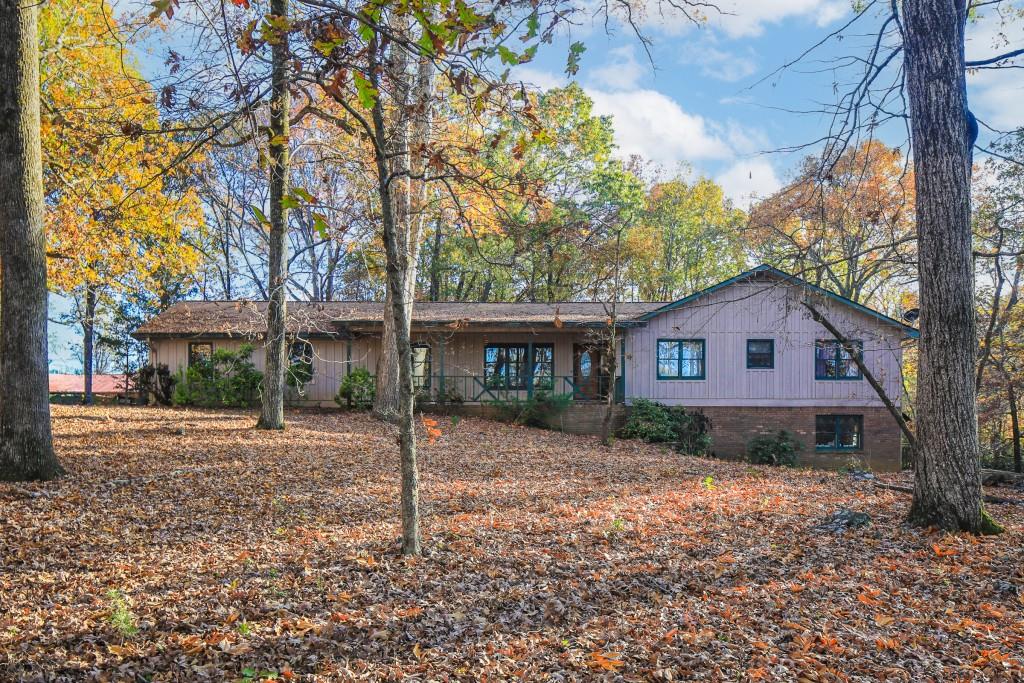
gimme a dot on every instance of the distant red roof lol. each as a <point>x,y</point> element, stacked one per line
<point>75,384</point>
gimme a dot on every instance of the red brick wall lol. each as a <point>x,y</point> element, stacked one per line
<point>732,427</point>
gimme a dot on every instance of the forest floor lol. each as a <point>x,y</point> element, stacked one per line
<point>185,545</point>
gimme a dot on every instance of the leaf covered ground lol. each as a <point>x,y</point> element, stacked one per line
<point>184,545</point>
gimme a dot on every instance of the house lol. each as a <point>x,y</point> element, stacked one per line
<point>746,352</point>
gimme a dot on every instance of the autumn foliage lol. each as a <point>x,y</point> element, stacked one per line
<point>186,544</point>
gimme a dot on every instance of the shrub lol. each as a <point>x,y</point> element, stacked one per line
<point>357,390</point>
<point>228,379</point>
<point>779,449</point>
<point>535,411</point>
<point>656,423</point>
<point>156,381</point>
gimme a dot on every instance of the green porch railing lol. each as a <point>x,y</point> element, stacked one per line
<point>440,389</point>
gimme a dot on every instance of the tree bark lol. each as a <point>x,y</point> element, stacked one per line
<point>400,308</point>
<point>26,443</point>
<point>947,484</point>
<point>272,408</point>
<point>408,135</point>
<point>1011,397</point>
<point>88,342</point>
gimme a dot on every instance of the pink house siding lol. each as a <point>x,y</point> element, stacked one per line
<point>727,318</point>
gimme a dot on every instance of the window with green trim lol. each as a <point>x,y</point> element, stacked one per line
<point>544,366</point>
<point>508,366</point>
<point>760,354</point>
<point>839,432</point>
<point>681,359</point>
<point>831,360</point>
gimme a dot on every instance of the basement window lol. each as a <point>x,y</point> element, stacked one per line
<point>839,432</point>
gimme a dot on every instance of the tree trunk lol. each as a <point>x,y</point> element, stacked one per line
<point>88,342</point>
<point>272,411</point>
<point>1011,396</point>
<point>397,251</point>
<point>26,444</point>
<point>407,132</point>
<point>947,484</point>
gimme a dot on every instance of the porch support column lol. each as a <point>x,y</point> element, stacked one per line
<point>441,393</point>
<point>622,367</point>
<point>529,370</point>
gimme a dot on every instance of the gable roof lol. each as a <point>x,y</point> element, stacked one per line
<point>333,318</point>
<point>770,271</point>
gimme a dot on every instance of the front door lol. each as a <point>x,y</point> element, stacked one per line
<point>586,372</point>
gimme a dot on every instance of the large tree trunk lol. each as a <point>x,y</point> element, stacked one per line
<point>272,411</point>
<point>88,342</point>
<point>947,484</point>
<point>26,445</point>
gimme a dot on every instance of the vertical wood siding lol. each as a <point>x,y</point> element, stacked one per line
<point>730,316</point>
<point>463,355</point>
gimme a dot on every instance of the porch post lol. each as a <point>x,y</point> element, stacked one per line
<point>442,394</point>
<point>529,370</point>
<point>348,356</point>
<point>622,367</point>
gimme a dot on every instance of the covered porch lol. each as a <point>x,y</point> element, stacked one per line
<point>484,366</point>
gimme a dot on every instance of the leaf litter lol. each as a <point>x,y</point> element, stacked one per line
<point>184,545</point>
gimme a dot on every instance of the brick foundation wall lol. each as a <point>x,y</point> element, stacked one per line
<point>579,418</point>
<point>732,427</point>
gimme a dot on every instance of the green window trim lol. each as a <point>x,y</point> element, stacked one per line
<point>838,425</point>
<point>770,352</point>
<point>519,367</point>
<point>830,352</point>
<point>680,359</point>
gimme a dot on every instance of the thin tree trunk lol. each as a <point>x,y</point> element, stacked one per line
<point>947,483</point>
<point>88,342</point>
<point>408,132</point>
<point>272,411</point>
<point>26,444</point>
<point>1011,397</point>
<point>613,318</point>
<point>397,268</point>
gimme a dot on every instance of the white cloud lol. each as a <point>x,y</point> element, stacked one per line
<point>621,72</point>
<point>748,179</point>
<point>653,125</point>
<point>996,96</point>
<point>545,80</point>
<point>746,18</point>
<point>720,64</point>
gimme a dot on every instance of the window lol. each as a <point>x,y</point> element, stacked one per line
<point>200,352</point>
<point>680,359</point>
<point>543,366</point>
<point>507,366</point>
<point>831,361</point>
<point>421,366</point>
<point>839,432</point>
<point>300,363</point>
<point>760,354</point>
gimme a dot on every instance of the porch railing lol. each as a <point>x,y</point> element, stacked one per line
<point>478,389</point>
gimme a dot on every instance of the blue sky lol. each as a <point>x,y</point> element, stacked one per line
<point>704,102</point>
<point>703,108</point>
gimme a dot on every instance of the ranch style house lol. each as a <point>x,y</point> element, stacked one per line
<point>746,352</point>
